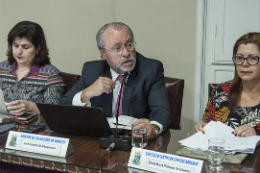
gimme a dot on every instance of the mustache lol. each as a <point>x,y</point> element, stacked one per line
<point>127,59</point>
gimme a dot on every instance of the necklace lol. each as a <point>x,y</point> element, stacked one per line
<point>250,98</point>
<point>23,69</point>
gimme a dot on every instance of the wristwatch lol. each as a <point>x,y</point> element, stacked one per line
<point>157,129</point>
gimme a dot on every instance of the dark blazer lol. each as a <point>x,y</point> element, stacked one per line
<point>145,94</point>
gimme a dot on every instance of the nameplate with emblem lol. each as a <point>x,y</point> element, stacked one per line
<point>41,144</point>
<point>161,162</point>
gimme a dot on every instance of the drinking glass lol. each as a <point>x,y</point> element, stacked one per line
<point>216,153</point>
<point>139,136</point>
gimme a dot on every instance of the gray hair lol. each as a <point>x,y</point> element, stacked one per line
<point>116,26</point>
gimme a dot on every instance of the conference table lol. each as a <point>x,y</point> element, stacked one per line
<point>88,154</point>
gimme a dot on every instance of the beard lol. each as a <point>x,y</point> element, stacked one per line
<point>120,69</point>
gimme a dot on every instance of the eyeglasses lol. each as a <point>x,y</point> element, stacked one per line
<point>119,49</point>
<point>251,60</point>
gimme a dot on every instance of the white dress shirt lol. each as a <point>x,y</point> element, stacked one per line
<point>77,98</point>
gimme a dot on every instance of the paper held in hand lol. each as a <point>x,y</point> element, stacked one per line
<point>199,141</point>
<point>124,122</point>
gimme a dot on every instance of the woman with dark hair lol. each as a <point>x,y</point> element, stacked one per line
<point>236,103</point>
<point>27,77</point>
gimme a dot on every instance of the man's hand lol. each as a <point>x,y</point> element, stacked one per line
<point>146,123</point>
<point>244,131</point>
<point>199,127</point>
<point>101,85</point>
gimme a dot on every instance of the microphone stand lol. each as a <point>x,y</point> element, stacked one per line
<point>122,142</point>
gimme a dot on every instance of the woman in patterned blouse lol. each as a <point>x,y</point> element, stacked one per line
<point>236,103</point>
<point>27,77</point>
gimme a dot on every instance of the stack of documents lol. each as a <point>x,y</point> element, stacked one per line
<point>199,141</point>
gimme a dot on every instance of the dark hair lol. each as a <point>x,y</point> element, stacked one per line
<point>117,26</point>
<point>236,84</point>
<point>32,32</point>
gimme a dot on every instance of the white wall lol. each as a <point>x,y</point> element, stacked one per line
<point>163,29</point>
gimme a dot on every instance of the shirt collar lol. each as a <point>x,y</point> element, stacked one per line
<point>34,69</point>
<point>115,74</point>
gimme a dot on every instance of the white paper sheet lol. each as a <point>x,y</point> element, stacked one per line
<point>219,130</point>
<point>124,122</point>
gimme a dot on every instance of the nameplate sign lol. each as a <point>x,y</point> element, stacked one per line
<point>40,144</point>
<point>161,162</point>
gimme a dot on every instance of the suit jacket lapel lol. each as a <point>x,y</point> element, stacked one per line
<point>129,87</point>
<point>107,98</point>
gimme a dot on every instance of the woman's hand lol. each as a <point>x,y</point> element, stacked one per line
<point>19,107</point>
<point>199,127</point>
<point>244,131</point>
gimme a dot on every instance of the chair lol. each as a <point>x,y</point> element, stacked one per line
<point>175,93</point>
<point>69,80</point>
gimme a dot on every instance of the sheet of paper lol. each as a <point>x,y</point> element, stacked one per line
<point>193,141</point>
<point>199,141</point>
<point>122,120</point>
<point>112,125</point>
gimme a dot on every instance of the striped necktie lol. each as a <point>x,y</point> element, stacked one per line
<point>120,78</point>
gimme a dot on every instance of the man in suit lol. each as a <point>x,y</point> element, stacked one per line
<point>144,94</point>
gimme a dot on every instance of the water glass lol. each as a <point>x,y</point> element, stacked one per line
<point>216,153</point>
<point>139,136</point>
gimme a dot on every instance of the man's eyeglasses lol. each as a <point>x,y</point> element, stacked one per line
<point>119,49</point>
<point>251,60</point>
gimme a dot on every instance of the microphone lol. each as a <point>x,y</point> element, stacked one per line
<point>122,142</point>
<point>119,101</point>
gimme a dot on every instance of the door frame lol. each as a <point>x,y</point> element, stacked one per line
<point>205,36</point>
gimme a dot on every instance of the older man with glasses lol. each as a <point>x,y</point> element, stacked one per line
<point>123,70</point>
